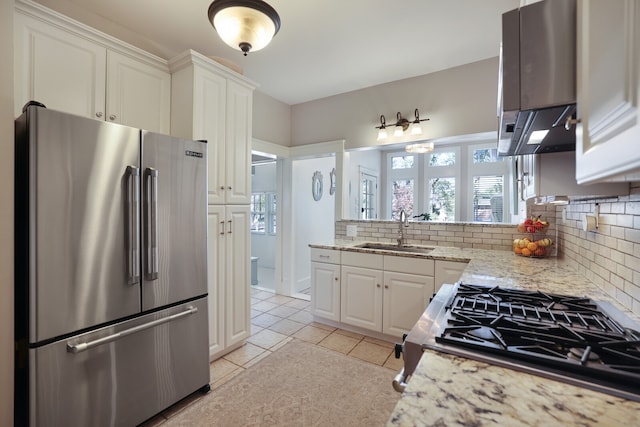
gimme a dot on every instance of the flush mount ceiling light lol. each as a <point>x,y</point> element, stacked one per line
<point>400,126</point>
<point>424,147</point>
<point>245,25</point>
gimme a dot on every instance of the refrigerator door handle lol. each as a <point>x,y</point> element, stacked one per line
<point>84,346</point>
<point>151,227</point>
<point>133,224</point>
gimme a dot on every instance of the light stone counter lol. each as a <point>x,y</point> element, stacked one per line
<point>447,390</point>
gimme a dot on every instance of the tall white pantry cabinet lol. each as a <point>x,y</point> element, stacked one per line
<point>210,102</point>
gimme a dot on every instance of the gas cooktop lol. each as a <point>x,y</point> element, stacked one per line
<point>567,338</point>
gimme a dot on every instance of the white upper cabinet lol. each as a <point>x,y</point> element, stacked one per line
<point>137,94</point>
<point>71,68</point>
<point>608,137</point>
<point>213,103</point>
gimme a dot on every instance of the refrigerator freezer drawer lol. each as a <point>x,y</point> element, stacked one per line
<point>123,374</point>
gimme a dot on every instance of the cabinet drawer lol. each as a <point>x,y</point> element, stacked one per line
<point>358,259</point>
<point>325,255</point>
<point>400,264</point>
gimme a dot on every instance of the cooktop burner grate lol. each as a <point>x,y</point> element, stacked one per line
<point>569,334</point>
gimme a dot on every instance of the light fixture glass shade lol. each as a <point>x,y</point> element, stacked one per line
<point>245,25</point>
<point>382,134</point>
<point>416,129</point>
<point>397,131</point>
<point>424,147</point>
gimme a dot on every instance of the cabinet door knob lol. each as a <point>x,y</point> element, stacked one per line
<point>222,187</point>
<point>229,187</point>
<point>99,114</point>
<point>112,117</point>
<point>386,286</point>
<point>335,278</point>
<point>570,122</point>
<point>377,285</point>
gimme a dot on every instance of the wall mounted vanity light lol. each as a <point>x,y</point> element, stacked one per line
<point>245,25</point>
<point>400,126</point>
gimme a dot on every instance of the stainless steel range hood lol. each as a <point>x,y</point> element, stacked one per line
<point>537,89</point>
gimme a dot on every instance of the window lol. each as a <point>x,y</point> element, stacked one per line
<point>454,182</point>
<point>263,213</point>
<point>258,212</point>
<point>402,174</point>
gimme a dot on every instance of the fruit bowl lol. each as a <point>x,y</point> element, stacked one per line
<point>533,225</point>
<point>535,246</point>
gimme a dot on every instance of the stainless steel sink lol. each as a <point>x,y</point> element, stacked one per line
<point>395,248</point>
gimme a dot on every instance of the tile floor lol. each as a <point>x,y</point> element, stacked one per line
<point>276,320</point>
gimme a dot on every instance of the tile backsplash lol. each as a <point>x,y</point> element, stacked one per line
<point>609,257</point>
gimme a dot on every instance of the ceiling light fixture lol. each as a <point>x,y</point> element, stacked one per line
<point>245,25</point>
<point>421,148</point>
<point>400,126</point>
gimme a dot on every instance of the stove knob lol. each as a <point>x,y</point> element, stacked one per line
<point>398,350</point>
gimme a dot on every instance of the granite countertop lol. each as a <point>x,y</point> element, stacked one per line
<point>450,390</point>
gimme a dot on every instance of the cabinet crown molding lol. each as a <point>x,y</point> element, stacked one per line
<point>191,57</point>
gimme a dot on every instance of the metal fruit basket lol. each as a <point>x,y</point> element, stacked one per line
<point>535,245</point>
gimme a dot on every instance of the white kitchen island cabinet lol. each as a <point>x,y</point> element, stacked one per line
<point>213,103</point>
<point>608,137</point>
<point>72,68</point>
<point>229,257</point>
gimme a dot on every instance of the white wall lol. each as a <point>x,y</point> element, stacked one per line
<point>313,221</point>
<point>458,101</point>
<point>264,245</point>
<point>271,119</point>
<point>6,213</point>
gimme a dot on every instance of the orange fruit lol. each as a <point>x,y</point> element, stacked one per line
<point>532,247</point>
<point>540,251</point>
<point>526,252</point>
<point>517,250</point>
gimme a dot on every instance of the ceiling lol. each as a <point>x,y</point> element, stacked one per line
<point>324,47</point>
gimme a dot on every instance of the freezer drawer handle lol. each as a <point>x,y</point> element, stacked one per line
<point>151,229</point>
<point>79,348</point>
<point>133,224</point>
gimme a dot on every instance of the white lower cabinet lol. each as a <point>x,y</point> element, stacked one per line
<point>448,272</point>
<point>388,300</point>
<point>229,277</point>
<point>325,283</point>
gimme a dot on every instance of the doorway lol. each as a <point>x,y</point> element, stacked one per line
<point>264,230</point>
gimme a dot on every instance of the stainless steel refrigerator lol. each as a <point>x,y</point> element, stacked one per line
<point>111,271</point>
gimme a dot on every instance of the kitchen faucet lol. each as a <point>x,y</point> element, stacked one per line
<point>404,220</point>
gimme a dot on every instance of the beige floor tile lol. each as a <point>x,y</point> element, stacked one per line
<point>244,354</point>
<point>382,343</point>
<point>255,329</point>
<point>283,311</point>
<point>349,334</point>
<point>264,306</point>
<point>371,352</point>
<point>302,316</point>
<point>281,344</point>
<point>257,359</point>
<point>266,338</point>
<point>280,299</point>
<point>339,342</point>
<point>255,300</point>
<point>323,326</point>
<point>300,304</point>
<point>286,327</point>
<point>220,368</point>
<point>393,363</point>
<point>226,378</point>
<point>265,320</point>
<point>262,295</point>
<point>312,334</point>
<point>255,313</point>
